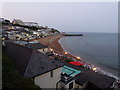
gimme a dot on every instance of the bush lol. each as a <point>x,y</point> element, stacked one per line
<point>68,60</point>
<point>81,66</point>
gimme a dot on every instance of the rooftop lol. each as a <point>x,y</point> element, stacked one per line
<point>16,41</point>
<point>70,71</point>
<point>36,46</point>
<point>30,23</point>
<point>99,80</point>
<point>21,42</point>
<point>29,62</point>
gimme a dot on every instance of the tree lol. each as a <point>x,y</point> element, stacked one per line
<point>6,22</point>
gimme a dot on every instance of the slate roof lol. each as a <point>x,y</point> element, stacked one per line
<point>29,62</point>
<point>16,41</point>
<point>21,42</point>
<point>99,80</point>
<point>36,46</point>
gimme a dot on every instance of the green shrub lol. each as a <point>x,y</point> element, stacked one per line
<point>81,66</point>
<point>69,60</point>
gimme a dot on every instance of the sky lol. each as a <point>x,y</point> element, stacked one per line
<point>66,16</point>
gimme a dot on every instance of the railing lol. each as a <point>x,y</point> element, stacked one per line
<point>66,79</point>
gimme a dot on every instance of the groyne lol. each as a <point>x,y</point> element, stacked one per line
<point>72,34</point>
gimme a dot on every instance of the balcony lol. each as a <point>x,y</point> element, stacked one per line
<point>66,78</point>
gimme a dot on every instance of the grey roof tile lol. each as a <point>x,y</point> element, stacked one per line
<point>36,45</point>
<point>29,62</point>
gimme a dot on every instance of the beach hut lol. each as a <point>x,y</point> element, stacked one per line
<point>76,63</point>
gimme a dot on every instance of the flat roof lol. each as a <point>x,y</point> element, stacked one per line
<point>70,71</point>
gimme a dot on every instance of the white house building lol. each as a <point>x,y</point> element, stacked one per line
<point>18,21</point>
<point>2,19</point>
<point>31,24</point>
<point>32,64</point>
<point>68,78</point>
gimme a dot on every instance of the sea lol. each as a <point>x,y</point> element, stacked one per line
<point>100,49</point>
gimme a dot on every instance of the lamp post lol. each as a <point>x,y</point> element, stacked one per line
<point>78,57</point>
<point>66,53</point>
<point>94,68</point>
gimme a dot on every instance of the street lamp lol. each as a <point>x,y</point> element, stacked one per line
<point>51,49</point>
<point>78,57</point>
<point>94,69</point>
<point>66,53</point>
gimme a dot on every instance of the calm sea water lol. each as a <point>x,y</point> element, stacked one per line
<point>100,49</point>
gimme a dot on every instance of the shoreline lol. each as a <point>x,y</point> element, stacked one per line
<point>101,71</point>
<point>54,43</point>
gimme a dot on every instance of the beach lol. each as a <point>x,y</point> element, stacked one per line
<point>53,42</point>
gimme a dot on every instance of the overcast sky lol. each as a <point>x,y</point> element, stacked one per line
<point>67,17</point>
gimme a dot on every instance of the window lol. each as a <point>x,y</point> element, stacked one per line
<point>51,73</point>
<point>70,86</point>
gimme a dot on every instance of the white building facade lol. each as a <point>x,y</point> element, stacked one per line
<point>31,24</point>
